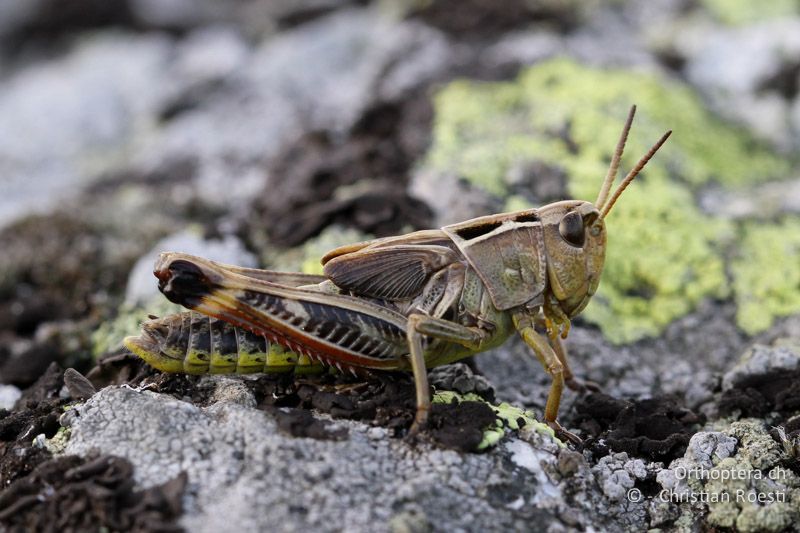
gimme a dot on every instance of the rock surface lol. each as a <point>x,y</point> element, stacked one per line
<point>239,463</point>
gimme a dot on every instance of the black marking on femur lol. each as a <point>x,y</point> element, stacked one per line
<point>336,334</point>
<point>324,328</point>
<point>265,302</point>
<point>359,343</point>
<point>527,217</point>
<point>473,232</point>
<point>344,327</point>
<point>348,338</point>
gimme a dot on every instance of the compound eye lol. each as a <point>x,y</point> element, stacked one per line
<point>571,228</point>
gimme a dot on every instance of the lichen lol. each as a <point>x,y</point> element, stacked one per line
<point>766,273</point>
<point>750,490</point>
<point>508,418</point>
<point>664,255</point>
<point>569,115</point>
<point>306,258</point>
<point>108,336</point>
<point>754,472</point>
<point>739,12</point>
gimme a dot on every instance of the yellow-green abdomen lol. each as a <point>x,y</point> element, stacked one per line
<point>193,343</point>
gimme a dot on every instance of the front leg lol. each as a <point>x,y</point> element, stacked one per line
<point>419,325</point>
<point>570,380</point>
<point>554,367</point>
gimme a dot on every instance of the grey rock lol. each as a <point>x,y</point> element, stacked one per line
<point>320,76</point>
<point>709,447</point>
<point>736,69</point>
<point>451,199</point>
<point>9,394</point>
<point>210,54</point>
<point>15,13</point>
<point>141,285</point>
<point>326,71</point>
<point>610,40</point>
<point>761,202</point>
<point>231,390</point>
<point>460,378</point>
<point>760,360</point>
<point>48,140</point>
<point>523,48</point>
<point>245,474</point>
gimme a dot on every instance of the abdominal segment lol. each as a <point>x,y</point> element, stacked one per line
<point>193,343</point>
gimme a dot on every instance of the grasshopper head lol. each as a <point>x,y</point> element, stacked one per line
<point>575,243</point>
<point>575,233</point>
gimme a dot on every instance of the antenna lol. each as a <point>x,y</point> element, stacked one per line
<point>612,170</point>
<point>633,173</point>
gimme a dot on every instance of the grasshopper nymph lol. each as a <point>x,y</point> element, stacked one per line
<point>409,302</point>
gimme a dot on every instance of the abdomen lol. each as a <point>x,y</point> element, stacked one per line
<point>193,343</point>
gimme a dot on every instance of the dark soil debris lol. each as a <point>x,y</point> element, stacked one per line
<point>459,377</point>
<point>656,428</point>
<point>23,361</point>
<point>70,493</point>
<point>476,19</point>
<point>374,160</point>
<point>36,412</point>
<point>758,395</point>
<point>55,267</point>
<point>119,368</point>
<point>460,426</point>
<point>45,389</point>
<point>387,400</point>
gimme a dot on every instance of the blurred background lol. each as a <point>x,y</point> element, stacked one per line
<point>264,133</point>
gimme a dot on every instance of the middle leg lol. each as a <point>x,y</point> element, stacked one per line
<point>419,325</point>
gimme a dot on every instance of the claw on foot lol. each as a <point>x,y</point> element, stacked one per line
<point>583,386</point>
<point>564,435</point>
<point>420,422</point>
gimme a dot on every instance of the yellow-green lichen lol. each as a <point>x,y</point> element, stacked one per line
<point>569,115</point>
<point>306,258</point>
<point>663,258</point>
<point>108,336</point>
<point>766,273</point>
<point>508,418</point>
<point>58,443</point>
<point>740,12</point>
<point>664,255</point>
